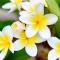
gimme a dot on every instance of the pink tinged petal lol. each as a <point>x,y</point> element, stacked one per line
<point>17,45</point>
<point>31,50</point>
<point>52,55</point>
<point>24,17</point>
<point>52,41</point>
<point>3,54</point>
<point>45,33</point>
<point>9,31</point>
<point>52,19</point>
<point>30,31</point>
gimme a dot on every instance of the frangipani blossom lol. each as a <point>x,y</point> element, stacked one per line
<point>31,6</point>
<point>6,37</point>
<point>40,1</point>
<point>28,43</point>
<point>13,5</point>
<point>55,52</point>
<point>37,22</point>
<point>17,27</point>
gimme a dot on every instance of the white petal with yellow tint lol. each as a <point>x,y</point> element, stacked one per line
<point>40,8</point>
<point>52,55</point>
<point>12,9</point>
<point>39,1</point>
<point>12,48</point>
<point>24,17</point>
<point>9,31</point>
<point>30,31</point>
<point>45,33</point>
<point>12,1</point>
<point>26,5</point>
<point>3,54</point>
<point>52,41</point>
<point>40,40</point>
<point>31,50</point>
<point>17,26</point>
<point>17,45</point>
<point>52,19</point>
<point>7,6</point>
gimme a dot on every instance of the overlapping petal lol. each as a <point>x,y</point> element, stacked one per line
<point>45,33</point>
<point>31,51</point>
<point>52,19</point>
<point>52,55</point>
<point>52,41</point>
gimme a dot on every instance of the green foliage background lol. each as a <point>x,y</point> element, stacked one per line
<point>54,7</point>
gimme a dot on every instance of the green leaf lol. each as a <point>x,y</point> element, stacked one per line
<point>2,2</point>
<point>19,55</point>
<point>5,23</point>
<point>53,6</point>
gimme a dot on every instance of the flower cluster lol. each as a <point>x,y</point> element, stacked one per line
<point>31,28</point>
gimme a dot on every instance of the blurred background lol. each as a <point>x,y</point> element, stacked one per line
<point>43,48</point>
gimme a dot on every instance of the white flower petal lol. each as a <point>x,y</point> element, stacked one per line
<point>30,31</point>
<point>52,19</point>
<point>40,8</point>
<point>3,54</point>
<point>12,48</point>
<point>13,1</point>
<point>9,31</point>
<point>40,40</point>
<point>26,5</point>
<point>18,46</point>
<point>12,9</point>
<point>52,55</point>
<point>24,17</point>
<point>45,34</point>
<point>52,41</point>
<point>17,27</point>
<point>37,1</point>
<point>7,6</point>
<point>32,50</point>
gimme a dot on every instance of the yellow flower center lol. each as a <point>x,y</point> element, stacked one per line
<point>18,1</point>
<point>27,41</point>
<point>5,41</point>
<point>38,21</point>
<point>58,48</point>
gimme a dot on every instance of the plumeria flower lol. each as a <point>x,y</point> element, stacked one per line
<point>40,1</point>
<point>13,5</point>
<point>6,37</point>
<point>37,22</point>
<point>28,43</point>
<point>55,52</point>
<point>17,27</point>
<point>31,6</point>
